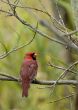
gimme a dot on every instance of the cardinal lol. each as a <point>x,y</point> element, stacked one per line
<point>28,71</point>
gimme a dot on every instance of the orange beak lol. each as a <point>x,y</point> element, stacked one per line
<point>35,54</point>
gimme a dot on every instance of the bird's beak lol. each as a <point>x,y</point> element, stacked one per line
<point>35,54</point>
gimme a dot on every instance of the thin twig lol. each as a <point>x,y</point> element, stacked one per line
<point>7,76</point>
<point>64,41</point>
<point>64,98</point>
<point>70,67</point>
<point>9,79</point>
<point>20,47</point>
<point>71,33</point>
<point>61,68</point>
<point>36,9</point>
<point>34,29</point>
<point>7,12</point>
<point>62,76</point>
<point>67,43</point>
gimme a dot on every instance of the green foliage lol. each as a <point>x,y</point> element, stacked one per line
<point>12,35</point>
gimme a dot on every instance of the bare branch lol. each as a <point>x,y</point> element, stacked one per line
<point>36,9</point>
<point>20,47</point>
<point>71,33</point>
<point>42,82</point>
<point>73,94</point>
<point>64,41</point>
<point>7,12</point>
<point>66,71</point>
<point>34,29</point>
<point>7,76</point>
<point>61,68</point>
<point>62,76</point>
<point>62,36</point>
<point>9,79</point>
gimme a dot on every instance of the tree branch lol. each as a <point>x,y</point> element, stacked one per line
<point>52,82</point>
<point>63,40</point>
<point>63,74</point>
<point>64,98</point>
<point>20,47</point>
<point>43,82</point>
<point>61,68</point>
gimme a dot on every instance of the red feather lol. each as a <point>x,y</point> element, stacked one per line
<point>28,72</point>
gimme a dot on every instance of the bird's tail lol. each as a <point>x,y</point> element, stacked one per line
<point>25,87</point>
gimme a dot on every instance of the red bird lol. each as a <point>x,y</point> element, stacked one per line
<point>28,71</point>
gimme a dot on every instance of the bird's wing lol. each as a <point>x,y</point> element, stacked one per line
<point>29,70</point>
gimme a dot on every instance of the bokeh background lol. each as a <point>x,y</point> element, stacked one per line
<point>13,34</point>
